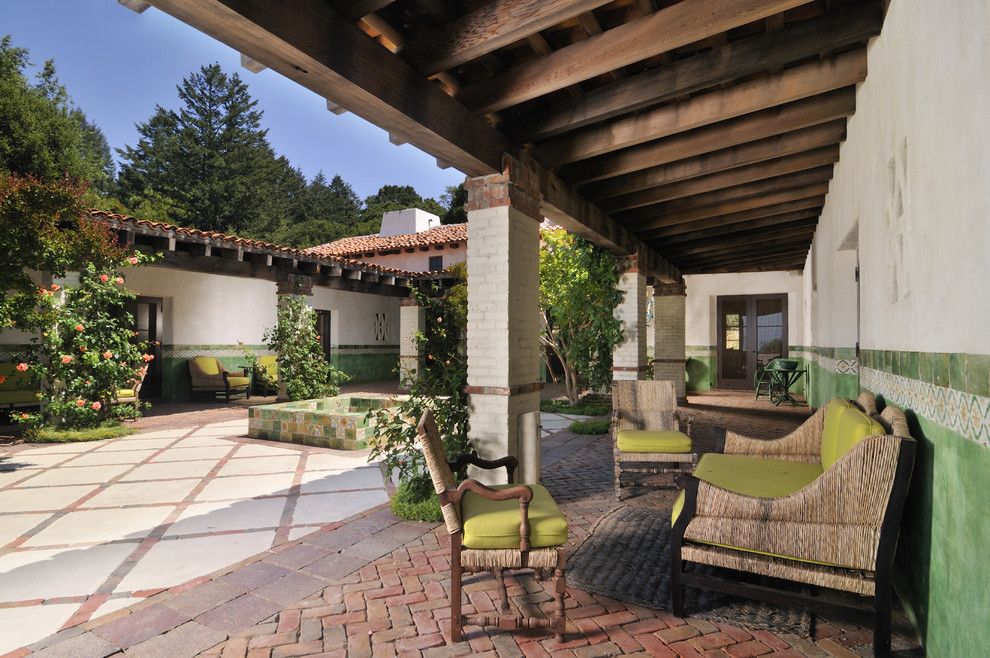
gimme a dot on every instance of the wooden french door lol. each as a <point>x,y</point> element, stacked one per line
<point>752,329</point>
<point>147,314</point>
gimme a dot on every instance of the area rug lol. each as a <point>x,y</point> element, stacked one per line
<point>627,557</point>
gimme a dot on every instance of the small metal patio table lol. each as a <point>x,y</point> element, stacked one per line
<point>781,382</point>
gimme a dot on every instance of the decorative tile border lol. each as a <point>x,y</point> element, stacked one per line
<point>840,360</point>
<point>14,352</point>
<point>223,351</point>
<point>701,351</point>
<point>964,413</point>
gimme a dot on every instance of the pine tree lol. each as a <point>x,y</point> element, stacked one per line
<point>42,134</point>
<point>210,160</point>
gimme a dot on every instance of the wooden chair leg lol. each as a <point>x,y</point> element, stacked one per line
<point>503,594</point>
<point>560,588</point>
<point>618,479</point>
<point>455,588</point>
<point>676,588</point>
<point>881,620</point>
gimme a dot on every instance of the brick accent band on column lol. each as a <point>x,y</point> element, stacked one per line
<point>642,368</point>
<point>504,390</point>
<point>665,290</point>
<point>669,360</point>
<point>518,186</point>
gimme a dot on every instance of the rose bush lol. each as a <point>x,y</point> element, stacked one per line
<point>302,367</point>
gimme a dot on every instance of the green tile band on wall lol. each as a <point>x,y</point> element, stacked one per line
<point>946,530</point>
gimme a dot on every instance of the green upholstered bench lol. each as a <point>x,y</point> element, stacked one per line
<point>648,431</point>
<point>17,389</point>
<point>208,374</point>
<point>820,506</point>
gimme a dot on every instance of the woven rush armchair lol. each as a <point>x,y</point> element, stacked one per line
<point>650,434</point>
<point>494,529</point>
<point>820,506</point>
<point>207,373</point>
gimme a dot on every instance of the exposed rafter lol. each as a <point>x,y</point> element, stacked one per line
<point>809,203</point>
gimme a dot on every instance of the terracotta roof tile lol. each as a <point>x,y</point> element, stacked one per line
<point>227,238</point>
<point>376,244</point>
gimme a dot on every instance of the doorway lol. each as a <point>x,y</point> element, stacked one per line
<point>147,314</point>
<point>752,329</point>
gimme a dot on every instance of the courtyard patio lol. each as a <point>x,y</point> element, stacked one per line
<point>367,584</point>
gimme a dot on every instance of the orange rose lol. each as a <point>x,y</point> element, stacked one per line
<point>78,327</point>
<point>108,354</point>
<point>133,260</point>
<point>148,357</point>
<point>80,403</point>
<point>104,278</point>
<point>66,358</point>
<point>22,367</point>
<point>56,287</point>
<point>3,379</point>
<point>96,406</point>
<point>83,348</point>
<point>119,280</point>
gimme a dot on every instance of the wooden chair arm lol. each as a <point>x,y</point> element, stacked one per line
<point>509,462</point>
<point>521,491</point>
<point>685,421</point>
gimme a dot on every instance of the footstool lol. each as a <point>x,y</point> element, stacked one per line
<point>652,452</point>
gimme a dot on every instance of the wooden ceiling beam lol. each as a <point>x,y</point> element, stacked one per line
<point>773,267</point>
<point>784,221</point>
<point>490,27</point>
<point>794,84</point>
<point>734,218</point>
<point>764,52</point>
<point>827,135</point>
<point>650,218</point>
<point>756,255</point>
<point>670,28</point>
<point>306,41</point>
<point>749,128</point>
<point>353,10</point>
<point>762,238</point>
<point>739,176</point>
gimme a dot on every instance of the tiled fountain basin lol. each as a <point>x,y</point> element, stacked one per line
<point>340,422</point>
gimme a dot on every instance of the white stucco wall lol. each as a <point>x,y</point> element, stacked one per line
<point>703,291</point>
<point>359,318</point>
<point>207,309</point>
<point>419,261</point>
<point>915,173</point>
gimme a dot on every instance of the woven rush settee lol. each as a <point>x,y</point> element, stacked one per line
<point>820,506</point>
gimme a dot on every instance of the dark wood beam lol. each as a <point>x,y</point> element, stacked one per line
<point>784,252</point>
<point>757,188</point>
<point>773,267</point>
<point>822,136</point>
<point>802,205</point>
<point>785,221</point>
<point>739,176</point>
<point>794,84</point>
<point>650,218</point>
<point>762,238</point>
<point>759,125</point>
<point>306,41</point>
<point>568,209</point>
<point>489,27</point>
<point>352,10</point>
<point>765,52</point>
<point>664,31</point>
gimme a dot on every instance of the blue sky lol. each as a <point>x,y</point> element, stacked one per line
<point>117,65</point>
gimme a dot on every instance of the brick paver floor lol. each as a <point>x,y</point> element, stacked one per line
<point>376,586</point>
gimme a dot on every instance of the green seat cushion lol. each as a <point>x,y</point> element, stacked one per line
<point>18,397</point>
<point>845,426</point>
<point>237,381</point>
<point>207,364</point>
<point>653,441</point>
<point>125,393</point>
<point>495,523</point>
<point>269,364</point>
<point>753,476</point>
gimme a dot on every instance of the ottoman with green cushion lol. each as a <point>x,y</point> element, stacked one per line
<point>653,441</point>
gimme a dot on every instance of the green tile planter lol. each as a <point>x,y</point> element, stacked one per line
<point>340,422</point>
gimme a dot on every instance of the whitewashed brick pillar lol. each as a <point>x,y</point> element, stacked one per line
<point>503,309</point>
<point>412,320</point>
<point>629,356</point>
<point>668,349</point>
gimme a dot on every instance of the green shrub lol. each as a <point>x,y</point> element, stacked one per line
<point>302,366</point>
<point>591,426</point>
<point>48,435</point>
<point>582,408</point>
<point>415,500</point>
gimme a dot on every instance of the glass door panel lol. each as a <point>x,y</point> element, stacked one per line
<point>734,323</point>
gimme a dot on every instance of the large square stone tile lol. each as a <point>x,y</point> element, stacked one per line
<point>237,515</point>
<point>35,500</point>
<point>65,448</point>
<point>327,481</point>
<point>334,461</point>
<point>183,453</point>
<point>174,561</point>
<point>58,572</point>
<point>143,493</point>
<point>8,478</point>
<point>261,465</point>
<point>79,475</point>
<point>85,526</point>
<point>101,458</point>
<point>34,459</point>
<point>330,507</point>
<point>20,626</point>
<point>246,486</point>
<point>171,470</point>
<point>255,450</point>
<point>131,443</point>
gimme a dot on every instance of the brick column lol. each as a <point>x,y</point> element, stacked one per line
<point>668,349</point>
<point>629,356</point>
<point>503,308</point>
<point>411,321</point>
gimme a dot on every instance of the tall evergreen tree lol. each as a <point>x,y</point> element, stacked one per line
<point>453,200</point>
<point>42,134</point>
<point>210,160</point>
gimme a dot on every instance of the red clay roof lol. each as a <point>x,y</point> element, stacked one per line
<point>216,236</point>
<point>375,244</point>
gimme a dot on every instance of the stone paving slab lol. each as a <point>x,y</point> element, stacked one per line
<point>88,528</point>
